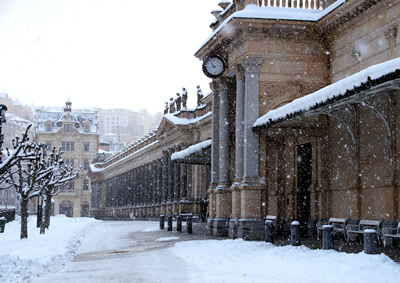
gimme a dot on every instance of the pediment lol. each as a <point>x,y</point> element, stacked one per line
<point>165,127</point>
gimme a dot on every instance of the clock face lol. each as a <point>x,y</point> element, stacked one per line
<point>213,67</point>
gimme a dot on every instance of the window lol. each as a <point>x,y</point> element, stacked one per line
<point>71,185</point>
<point>71,163</point>
<point>48,145</point>
<point>68,145</point>
<point>86,128</point>
<point>86,164</point>
<point>86,146</point>
<point>49,127</point>
<point>85,185</point>
<point>67,128</point>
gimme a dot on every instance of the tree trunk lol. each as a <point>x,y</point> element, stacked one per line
<point>47,212</point>
<point>42,223</point>
<point>24,218</point>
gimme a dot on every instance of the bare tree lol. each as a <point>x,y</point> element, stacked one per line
<point>58,176</point>
<point>26,175</point>
<point>13,156</point>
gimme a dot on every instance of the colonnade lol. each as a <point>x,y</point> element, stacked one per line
<point>161,186</point>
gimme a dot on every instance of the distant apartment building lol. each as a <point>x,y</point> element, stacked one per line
<point>119,127</point>
<point>78,134</point>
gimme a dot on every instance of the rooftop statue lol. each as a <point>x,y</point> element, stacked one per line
<point>178,101</point>
<point>171,105</point>
<point>184,98</point>
<point>199,96</point>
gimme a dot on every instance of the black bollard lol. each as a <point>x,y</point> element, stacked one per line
<point>370,241</point>
<point>179,223</point>
<point>169,222</point>
<point>162,219</point>
<point>327,237</point>
<point>268,231</point>
<point>295,233</point>
<point>189,225</point>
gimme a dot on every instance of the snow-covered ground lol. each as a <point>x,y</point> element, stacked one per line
<point>48,258</point>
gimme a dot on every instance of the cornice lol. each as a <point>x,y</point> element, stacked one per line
<point>344,13</point>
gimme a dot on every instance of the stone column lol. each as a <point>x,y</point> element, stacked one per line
<point>177,183</point>
<point>140,191</point>
<point>164,186</point>
<point>170,194</point>
<point>214,154</point>
<point>183,192</point>
<point>183,208</point>
<point>239,151</point>
<point>189,191</point>
<point>223,194</point>
<point>136,188</point>
<point>159,186</point>
<point>251,226</point>
<point>154,178</point>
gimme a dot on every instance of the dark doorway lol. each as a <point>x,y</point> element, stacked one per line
<point>67,208</point>
<point>85,209</point>
<point>304,180</point>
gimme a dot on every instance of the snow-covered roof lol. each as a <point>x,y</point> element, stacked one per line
<point>304,104</point>
<point>125,158</point>
<point>197,148</point>
<point>42,116</point>
<point>276,13</point>
<point>185,121</point>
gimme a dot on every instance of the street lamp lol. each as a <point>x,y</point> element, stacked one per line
<point>3,110</point>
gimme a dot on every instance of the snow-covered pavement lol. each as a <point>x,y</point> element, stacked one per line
<point>86,250</point>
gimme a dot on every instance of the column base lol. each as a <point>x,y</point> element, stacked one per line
<point>221,227</point>
<point>251,229</point>
<point>233,228</point>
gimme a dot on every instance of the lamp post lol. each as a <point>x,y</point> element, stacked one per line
<point>3,110</point>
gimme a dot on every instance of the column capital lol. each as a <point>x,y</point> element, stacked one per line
<point>214,86</point>
<point>239,72</point>
<point>219,84</point>
<point>252,65</point>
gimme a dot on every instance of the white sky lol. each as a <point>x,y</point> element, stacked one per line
<point>104,53</point>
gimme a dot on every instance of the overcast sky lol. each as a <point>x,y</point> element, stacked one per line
<point>104,53</point>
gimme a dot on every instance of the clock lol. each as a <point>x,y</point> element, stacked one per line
<point>214,66</point>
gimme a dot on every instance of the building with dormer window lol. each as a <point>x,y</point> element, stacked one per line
<point>77,133</point>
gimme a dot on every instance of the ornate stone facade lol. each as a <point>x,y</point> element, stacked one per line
<point>77,133</point>
<point>337,159</point>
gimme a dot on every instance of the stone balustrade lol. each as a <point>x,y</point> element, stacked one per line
<point>299,4</point>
